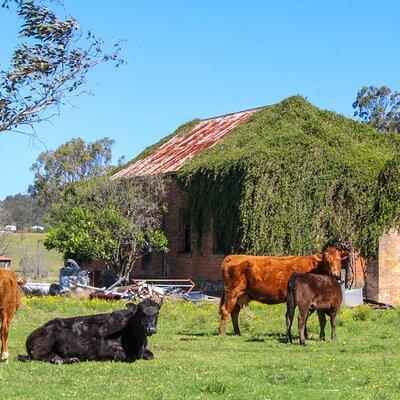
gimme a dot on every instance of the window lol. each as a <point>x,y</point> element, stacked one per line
<point>185,233</point>
<point>218,244</point>
<point>146,262</point>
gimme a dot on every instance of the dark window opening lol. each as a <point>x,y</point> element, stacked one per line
<point>185,233</point>
<point>146,262</point>
<point>219,245</point>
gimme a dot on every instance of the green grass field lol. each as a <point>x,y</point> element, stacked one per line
<point>193,362</point>
<point>22,244</point>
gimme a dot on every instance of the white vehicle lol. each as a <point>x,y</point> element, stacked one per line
<point>36,228</point>
<point>10,228</point>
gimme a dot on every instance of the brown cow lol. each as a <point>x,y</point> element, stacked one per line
<point>312,292</point>
<point>9,303</point>
<point>265,279</point>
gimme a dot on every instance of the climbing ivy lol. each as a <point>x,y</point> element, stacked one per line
<point>387,210</point>
<point>292,178</point>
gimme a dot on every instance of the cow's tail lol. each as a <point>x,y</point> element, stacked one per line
<point>222,300</point>
<point>291,294</point>
<point>23,357</point>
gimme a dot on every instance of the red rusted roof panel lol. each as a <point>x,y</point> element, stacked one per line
<point>179,149</point>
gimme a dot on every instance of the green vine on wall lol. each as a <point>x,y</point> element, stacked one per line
<point>292,178</point>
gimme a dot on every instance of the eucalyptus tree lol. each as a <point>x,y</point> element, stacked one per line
<point>49,65</point>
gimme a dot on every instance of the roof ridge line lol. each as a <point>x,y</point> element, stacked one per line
<point>232,113</point>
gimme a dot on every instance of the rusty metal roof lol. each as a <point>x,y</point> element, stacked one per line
<point>170,156</point>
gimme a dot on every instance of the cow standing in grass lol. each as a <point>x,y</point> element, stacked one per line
<point>312,292</point>
<point>117,336</point>
<point>10,295</point>
<point>265,279</point>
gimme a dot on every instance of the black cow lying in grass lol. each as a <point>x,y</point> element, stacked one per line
<point>118,336</point>
<point>312,292</point>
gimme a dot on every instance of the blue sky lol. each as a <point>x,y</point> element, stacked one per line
<point>196,59</point>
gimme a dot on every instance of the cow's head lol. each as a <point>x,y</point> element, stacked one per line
<point>149,310</point>
<point>332,261</point>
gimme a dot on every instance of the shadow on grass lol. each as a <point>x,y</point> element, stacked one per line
<point>202,334</point>
<point>279,337</point>
<point>260,338</point>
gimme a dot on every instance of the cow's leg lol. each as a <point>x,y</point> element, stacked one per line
<point>111,349</point>
<point>51,358</point>
<point>241,301</point>
<point>226,308</point>
<point>70,360</point>
<point>147,355</point>
<point>289,321</point>
<point>333,323</point>
<point>40,346</point>
<point>303,313</point>
<point>54,358</point>
<point>235,319</point>
<point>5,329</point>
<point>57,360</point>
<point>305,328</point>
<point>322,323</point>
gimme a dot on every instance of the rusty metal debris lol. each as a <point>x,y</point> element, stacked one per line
<point>75,281</point>
<point>177,289</point>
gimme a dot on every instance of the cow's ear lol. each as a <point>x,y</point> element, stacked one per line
<point>131,306</point>
<point>345,255</point>
<point>319,256</point>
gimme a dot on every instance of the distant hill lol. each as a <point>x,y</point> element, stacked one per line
<point>28,244</point>
<point>21,210</point>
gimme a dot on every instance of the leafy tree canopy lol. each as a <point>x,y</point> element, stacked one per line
<point>72,161</point>
<point>49,66</point>
<point>116,221</point>
<point>378,107</point>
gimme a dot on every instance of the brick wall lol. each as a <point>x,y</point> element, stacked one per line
<point>382,277</point>
<point>202,266</point>
<point>389,268</point>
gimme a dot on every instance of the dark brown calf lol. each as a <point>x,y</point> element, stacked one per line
<point>312,292</point>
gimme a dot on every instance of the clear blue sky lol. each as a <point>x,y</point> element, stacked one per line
<point>189,59</point>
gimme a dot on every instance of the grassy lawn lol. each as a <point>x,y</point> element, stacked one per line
<point>192,362</point>
<point>22,244</point>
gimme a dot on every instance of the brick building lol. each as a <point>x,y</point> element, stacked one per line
<point>380,278</point>
<point>184,260</point>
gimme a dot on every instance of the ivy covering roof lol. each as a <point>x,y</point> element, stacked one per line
<point>291,178</point>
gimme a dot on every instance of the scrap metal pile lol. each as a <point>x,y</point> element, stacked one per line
<point>75,281</point>
<point>179,289</point>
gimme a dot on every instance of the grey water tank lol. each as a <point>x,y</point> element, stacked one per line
<point>353,297</point>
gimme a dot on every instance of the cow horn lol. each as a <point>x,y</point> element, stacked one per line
<point>319,256</point>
